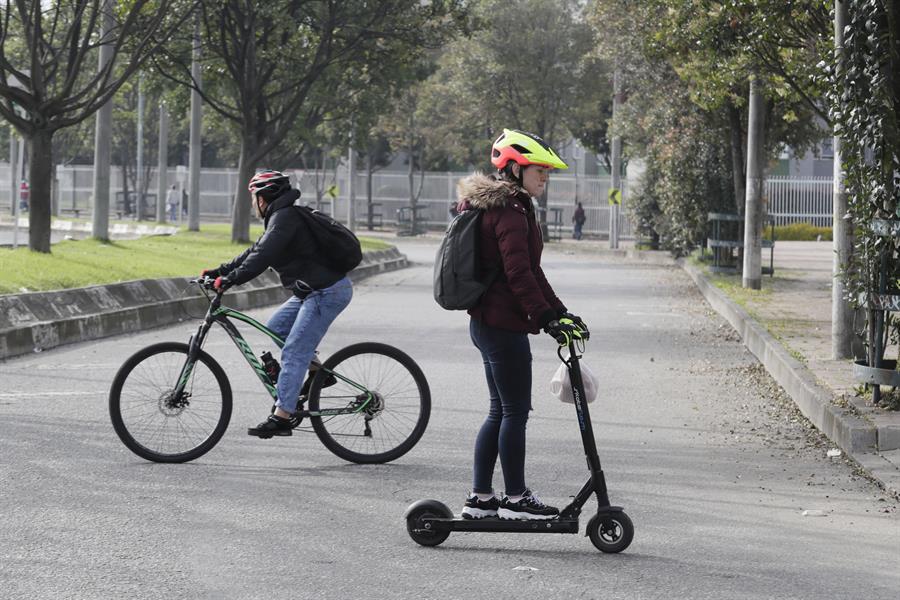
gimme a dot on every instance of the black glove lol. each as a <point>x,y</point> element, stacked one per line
<point>563,331</point>
<point>211,273</point>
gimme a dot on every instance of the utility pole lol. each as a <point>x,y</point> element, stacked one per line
<point>753,208</point>
<point>14,184</point>
<point>615,194</point>
<point>103,138</point>
<point>196,118</point>
<point>13,171</point>
<point>140,148</point>
<point>351,184</point>
<point>841,311</point>
<point>162,174</point>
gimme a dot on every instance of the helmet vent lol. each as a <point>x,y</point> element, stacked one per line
<point>520,149</point>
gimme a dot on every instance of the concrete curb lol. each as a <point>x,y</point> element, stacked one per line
<point>851,433</point>
<point>854,435</point>
<point>39,321</point>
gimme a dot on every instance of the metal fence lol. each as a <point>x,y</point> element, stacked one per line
<point>390,193</point>
<point>796,200</point>
<point>790,200</point>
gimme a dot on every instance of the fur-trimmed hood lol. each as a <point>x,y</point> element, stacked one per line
<point>484,191</point>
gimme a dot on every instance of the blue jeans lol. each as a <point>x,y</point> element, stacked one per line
<point>507,366</point>
<point>302,324</point>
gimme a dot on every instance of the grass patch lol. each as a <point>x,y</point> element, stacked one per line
<point>798,232</point>
<point>746,298</point>
<point>82,263</point>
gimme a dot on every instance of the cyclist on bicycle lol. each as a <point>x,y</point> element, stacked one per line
<point>319,292</point>
<point>519,301</point>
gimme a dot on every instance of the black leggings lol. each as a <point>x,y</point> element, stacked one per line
<point>507,366</point>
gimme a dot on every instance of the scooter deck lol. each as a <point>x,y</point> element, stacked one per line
<point>506,525</point>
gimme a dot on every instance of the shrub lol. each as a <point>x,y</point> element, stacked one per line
<point>801,232</point>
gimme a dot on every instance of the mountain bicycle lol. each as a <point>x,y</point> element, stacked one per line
<point>171,402</point>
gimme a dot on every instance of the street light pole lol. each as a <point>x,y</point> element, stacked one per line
<point>140,148</point>
<point>351,185</point>
<point>162,175</point>
<point>753,209</point>
<point>616,160</point>
<point>103,139</point>
<point>841,311</point>
<point>196,119</point>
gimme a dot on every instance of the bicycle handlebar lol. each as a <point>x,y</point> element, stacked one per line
<point>205,282</point>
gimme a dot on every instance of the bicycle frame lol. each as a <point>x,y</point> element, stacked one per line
<point>216,313</point>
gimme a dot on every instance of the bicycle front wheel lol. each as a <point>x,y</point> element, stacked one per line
<point>384,398</point>
<point>156,424</point>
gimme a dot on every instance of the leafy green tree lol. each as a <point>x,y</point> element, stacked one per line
<point>698,55</point>
<point>269,65</point>
<point>525,68</point>
<point>49,80</point>
<point>530,65</point>
<point>864,97</point>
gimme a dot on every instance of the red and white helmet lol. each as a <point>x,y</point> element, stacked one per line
<point>269,181</point>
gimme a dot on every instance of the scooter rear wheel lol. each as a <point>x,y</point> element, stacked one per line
<point>610,532</point>
<point>422,532</point>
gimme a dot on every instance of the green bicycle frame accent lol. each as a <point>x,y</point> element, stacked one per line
<point>222,315</point>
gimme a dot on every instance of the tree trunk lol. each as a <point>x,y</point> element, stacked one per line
<point>240,210</point>
<point>126,196</point>
<point>737,157</point>
<point>40,172</point>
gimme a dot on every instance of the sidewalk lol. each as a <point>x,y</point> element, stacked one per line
<point>63,228</point>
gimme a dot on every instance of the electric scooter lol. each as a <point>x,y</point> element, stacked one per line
<point>429,522</point>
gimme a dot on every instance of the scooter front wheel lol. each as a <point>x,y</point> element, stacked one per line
<point>417,525</point>
<point>610,532</point>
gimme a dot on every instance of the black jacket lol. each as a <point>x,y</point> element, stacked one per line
<point>286,246</point>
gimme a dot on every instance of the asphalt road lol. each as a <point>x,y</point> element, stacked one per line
<point>698,445</point>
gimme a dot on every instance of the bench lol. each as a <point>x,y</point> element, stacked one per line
<point>726,242</point>
<point>405,220</point>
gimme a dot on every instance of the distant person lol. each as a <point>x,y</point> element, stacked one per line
<point>23,196</point>
<point>184,202</point>
<point>172,197</point>
<point>578,219</point>
<point>453,210</point>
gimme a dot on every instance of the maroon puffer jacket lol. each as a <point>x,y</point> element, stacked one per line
<point>520,299</point>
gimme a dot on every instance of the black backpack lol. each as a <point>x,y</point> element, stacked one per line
<point>458,280</point>
<point>339,248</point>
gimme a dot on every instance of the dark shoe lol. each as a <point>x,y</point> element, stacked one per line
<point>295,418</point>
<point>529,507</point>
<point>272,426</point>
<point>479,509</point>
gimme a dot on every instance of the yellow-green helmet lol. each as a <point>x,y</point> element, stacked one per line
<point>525,149</point>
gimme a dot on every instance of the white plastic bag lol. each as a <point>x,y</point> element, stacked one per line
<point>561,385</point>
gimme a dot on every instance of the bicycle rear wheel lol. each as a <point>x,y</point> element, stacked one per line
<point>156,425</point>
<point>389,393</point>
